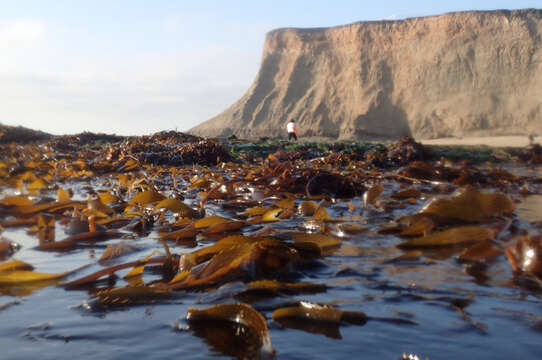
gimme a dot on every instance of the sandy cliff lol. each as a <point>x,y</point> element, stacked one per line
<point>458,74</point>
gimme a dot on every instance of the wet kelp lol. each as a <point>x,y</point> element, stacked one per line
<point>256,228</point>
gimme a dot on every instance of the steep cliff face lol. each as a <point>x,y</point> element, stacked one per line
<point>456,74</point>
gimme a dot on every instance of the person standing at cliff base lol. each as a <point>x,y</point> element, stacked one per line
<point>292,132</point>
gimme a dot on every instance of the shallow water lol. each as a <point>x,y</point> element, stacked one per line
<point>501,320</point>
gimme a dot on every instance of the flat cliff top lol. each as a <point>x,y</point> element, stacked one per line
<point>463,14</point>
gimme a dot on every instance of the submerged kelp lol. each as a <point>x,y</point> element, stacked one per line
<point>312,238</point>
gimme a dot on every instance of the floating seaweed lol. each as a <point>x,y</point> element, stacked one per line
<point>233,329</point>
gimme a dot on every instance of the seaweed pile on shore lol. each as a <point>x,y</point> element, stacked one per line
<point>157,147</point>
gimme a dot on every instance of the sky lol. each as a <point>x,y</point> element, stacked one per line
<point>134,67</point>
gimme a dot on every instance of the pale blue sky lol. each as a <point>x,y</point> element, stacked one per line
<point>138,67</point>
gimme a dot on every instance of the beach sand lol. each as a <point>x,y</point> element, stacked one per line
<point>492,141</point>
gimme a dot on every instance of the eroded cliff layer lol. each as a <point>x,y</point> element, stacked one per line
<point>450,75</point>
